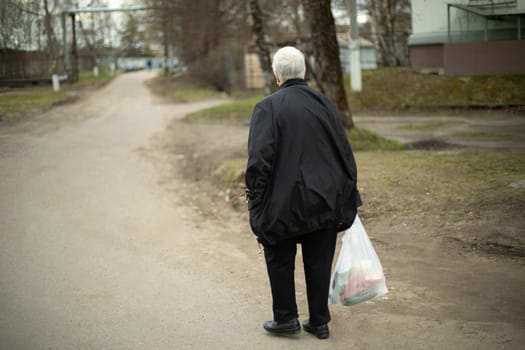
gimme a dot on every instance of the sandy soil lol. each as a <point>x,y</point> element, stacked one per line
<point>114,237</point>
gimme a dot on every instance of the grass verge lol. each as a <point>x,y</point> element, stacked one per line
<point>240,111</point>
<point>388,90</point>
<point>86,79</point>
<point>236,112</point>
<point>231,172</point>
<point>474,198</point>
<point>181,89</point>
<point>364,140</point>
<point>417,127</point>
<point>485,134</point>
<point>19,102</point>
<point>400,89</point>
<point>14,105</point>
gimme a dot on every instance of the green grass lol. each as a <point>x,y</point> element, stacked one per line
<point>396,89</point>
<point>441,173</point>
<point>24,101</point>
<point>467,165</point>
<point>417,127</point>
<point>364,140</point>
<point>231,171</point>
<point>386,90</point>
<point>484,134</point>
<point>185,88</point>
<point>15,105</point>
<point>465,194</point>
<point>240,111</point>
<point>87,79</point>
<point>181,89</point>
<point>235,112</point>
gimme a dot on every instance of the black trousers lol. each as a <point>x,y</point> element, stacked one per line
<point>318,253</point>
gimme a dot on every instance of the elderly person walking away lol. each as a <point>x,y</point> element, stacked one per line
<point>301,186</point>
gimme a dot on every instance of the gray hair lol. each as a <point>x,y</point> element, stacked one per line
<point>288,63</point>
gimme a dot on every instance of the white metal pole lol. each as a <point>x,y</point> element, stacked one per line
<point>355,55</point>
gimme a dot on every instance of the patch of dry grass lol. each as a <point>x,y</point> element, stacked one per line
<point>475,197</point>
<point>402,88</point>
<point>464,195</point>
<point>181,89</point>
<point>20,102</point>
<point>14,105</point>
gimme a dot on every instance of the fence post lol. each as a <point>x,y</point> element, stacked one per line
<point>56,83</point>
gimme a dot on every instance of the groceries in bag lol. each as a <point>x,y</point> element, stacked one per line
<point>358,274</point>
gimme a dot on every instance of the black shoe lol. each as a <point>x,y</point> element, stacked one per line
<point>290,327</point>
<point>320,332</point>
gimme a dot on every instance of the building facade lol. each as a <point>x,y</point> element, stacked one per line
<point>469,37</point>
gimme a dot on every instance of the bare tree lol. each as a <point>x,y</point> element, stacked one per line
<point>261,46</point>
<point>391,25</point>
<point>325,49</point>
<point>276,28</point>
<point>133,36</point>
<point>52,44</point>
<point>22,38</point>
<point>17,23</point>
<point>164,15</point>
<point>206,34</point>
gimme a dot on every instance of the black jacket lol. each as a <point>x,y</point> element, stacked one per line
<point>301,174</point>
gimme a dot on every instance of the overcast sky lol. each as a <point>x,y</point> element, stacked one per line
<point>115,3</point>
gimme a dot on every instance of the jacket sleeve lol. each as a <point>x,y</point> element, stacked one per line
<point>260,154</point>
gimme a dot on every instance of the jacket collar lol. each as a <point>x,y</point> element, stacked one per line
<point>291,82</point>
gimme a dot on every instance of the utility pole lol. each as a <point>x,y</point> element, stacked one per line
<point>74,52</point>
<point>65,54</point>
<point>355,55</point>
<point>71,58</point>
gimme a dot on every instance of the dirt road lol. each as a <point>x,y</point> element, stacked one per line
<point>104,246</point>
<point>474,129</point>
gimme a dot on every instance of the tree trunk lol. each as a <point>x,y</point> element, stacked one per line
<point>391,23</point>
<point>90,45</point>
<point>166,43</point>
<point>52,46</point>
<point>329,74</point>
<point>261,47</point>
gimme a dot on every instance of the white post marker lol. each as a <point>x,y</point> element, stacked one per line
<point>95,71</point>
<point>56,83</point>
<point>113,68</point>
<point>355,54</point>
<point>355,67</point>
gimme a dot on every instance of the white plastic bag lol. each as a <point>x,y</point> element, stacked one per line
<point>358,274</point>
